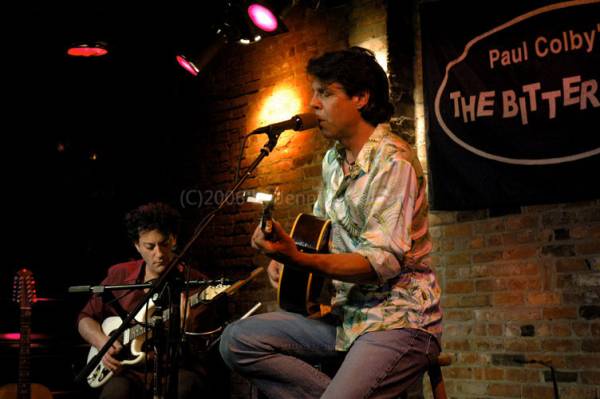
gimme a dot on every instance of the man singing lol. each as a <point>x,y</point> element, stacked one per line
<point>386,317</point>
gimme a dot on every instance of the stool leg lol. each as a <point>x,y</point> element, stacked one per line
<point>437,382</point>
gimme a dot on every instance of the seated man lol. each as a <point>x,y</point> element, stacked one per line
<point>153,231</point>
<point>385,317</point>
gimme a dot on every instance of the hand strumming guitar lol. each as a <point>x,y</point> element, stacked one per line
<point>274,272</point>
<point>109,358</point>
<point>92,332</point>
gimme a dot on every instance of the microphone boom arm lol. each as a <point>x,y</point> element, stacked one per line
<point>274,134</point>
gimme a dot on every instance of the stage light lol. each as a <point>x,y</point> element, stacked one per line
<point>94,49</point>
<point>242,22</point>
<point>262,17</point>
<point>187,65</point>
<point>248,22</point>
<point>196,64</point>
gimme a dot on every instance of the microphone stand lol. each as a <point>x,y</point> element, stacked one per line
<point>547,364</point>
<point>273,133</point>
<point>174,337</point>
<point>100,289</point>
<point>157,340</point>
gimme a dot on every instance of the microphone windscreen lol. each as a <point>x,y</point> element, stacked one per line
<point>308,120</point>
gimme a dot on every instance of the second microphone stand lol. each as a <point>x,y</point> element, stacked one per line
<point>159,284</point>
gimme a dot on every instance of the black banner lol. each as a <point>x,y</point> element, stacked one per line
<point>512,102</point>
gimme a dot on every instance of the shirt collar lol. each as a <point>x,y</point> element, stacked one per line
<point>367,152</point>
<point>136,273</point>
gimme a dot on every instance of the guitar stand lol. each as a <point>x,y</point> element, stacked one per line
<point>273,132</point>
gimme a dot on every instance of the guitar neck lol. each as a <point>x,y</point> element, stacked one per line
<point>24,379</point>
<point>140,329</point>
<point>196,299</point>
<point>240,283</point>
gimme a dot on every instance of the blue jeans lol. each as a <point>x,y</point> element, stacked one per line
<point>277,351</point>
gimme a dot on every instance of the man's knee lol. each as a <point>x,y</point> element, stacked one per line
<point>228,345</point>
<point>241,344</point>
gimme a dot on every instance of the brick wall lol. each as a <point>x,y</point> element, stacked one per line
<point>233,92</point>
<point>519,283</point>
<point>521,286</point>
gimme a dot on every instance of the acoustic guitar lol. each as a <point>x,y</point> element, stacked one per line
<point>24,295</point>
<point>300,291</point>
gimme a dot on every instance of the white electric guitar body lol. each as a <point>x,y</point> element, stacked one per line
<point>132,340</point>
<point>134,337</point>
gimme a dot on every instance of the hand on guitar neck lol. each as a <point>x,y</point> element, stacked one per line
<point>266,221</point>
<point>277,244</point>
<point>266,227</point>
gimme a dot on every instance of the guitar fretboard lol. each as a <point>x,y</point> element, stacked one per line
<point>140,329</point>
<point>23,382</point>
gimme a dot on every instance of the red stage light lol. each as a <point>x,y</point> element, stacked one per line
<point>187,65</point>
<point>12,336</point>
<point>88,50</point>
<point>262,17</point>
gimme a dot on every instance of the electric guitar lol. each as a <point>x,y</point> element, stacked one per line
<point>132,341</point>
<point>133,338</point>
<point>300,291</point>
<point>24,295</point>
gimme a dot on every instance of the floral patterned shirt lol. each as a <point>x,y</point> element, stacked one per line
<point>379,210</point>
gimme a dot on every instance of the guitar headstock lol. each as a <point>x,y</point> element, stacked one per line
<point>24,288</point>
<point>268,202</point>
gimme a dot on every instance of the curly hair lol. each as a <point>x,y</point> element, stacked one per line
<point>357,70</point>
<point>152,216</point>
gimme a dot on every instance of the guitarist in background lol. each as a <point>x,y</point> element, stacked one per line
<point>385,316</point>
<point>153,230</point>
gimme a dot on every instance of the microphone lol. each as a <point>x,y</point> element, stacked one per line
<point>80,288</point>
<point>297,122</point>
<point>94,289</point>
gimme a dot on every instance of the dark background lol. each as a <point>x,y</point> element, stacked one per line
<point>135,110</point>
<point>65,209</point>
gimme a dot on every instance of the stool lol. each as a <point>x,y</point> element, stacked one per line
<point>435,376</point>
